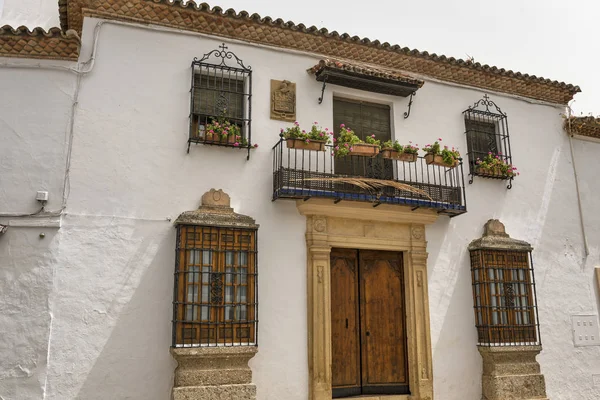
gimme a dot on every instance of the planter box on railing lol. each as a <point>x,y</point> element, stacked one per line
<point>492,173</point>
<point>396,155</point>
<point>364,149</point>
<point>218,139</point>
<point>300,144</point>
<point>438,160</point>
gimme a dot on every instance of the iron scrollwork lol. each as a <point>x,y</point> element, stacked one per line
<point>410,101</point>
<point>323,89</point>
<point>509,294</point>
<point>487,103</point>
<point>223,54</point>
<point>216,288</point>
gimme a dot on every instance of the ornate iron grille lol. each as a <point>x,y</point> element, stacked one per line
<point>216,286</point>
<point>486,128</point>
<point>221,94</point>
<point>302,174</point>
<point>504,298</point>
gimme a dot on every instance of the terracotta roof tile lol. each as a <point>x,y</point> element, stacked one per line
<point>363,69</point>
<point>38,43</point>
<point>279,33</point>
<point>583,126</point>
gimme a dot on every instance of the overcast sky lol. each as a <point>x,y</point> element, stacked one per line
<point>555,39</point>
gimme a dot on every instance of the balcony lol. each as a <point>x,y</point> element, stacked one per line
<point>305,174</point>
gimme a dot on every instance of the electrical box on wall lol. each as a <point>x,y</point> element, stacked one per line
<point>41,196</point>
<point>585,330</point>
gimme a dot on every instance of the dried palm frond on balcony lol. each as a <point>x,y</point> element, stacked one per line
<point>371,184</point>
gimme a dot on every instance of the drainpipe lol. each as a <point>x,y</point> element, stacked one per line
<point>581,219</point>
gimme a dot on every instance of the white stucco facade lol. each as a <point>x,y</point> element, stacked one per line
<point>86,311</point>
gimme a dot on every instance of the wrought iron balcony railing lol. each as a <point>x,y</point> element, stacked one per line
<point>304,174</point>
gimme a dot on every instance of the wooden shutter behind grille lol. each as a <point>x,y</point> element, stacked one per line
<point>210,91</point>
<point>481,138</point>
<point>364,119</point>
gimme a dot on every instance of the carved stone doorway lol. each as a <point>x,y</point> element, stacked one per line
<point>360,226</point>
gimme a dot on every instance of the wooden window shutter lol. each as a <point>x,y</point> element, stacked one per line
<point>213,93</point>
<point>362,117</point>
<point>481,137</point>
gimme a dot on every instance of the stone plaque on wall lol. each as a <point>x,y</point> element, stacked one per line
<point>283,100</point>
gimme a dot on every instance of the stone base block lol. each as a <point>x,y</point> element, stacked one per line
<point>213,373</point>
<point>514,387</point>
<point>221,392</point>
<point>202,377</point>
<point>512,373</point>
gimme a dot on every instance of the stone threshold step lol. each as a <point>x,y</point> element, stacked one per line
<point>381,397</point>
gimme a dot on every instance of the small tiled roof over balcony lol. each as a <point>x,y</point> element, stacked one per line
<point>365,77</point>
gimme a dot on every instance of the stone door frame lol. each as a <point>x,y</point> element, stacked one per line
<point>361,226</point>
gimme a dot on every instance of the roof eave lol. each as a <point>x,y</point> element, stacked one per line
<point>278,33</point>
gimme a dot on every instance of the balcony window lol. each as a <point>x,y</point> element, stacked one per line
<point>365,119</point>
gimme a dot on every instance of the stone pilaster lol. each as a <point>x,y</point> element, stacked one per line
<point>214,373</point>
<point>512,373</point>
<point>418,324</point>
<point>319,322</point>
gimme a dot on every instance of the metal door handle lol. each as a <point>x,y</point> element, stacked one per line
<point>368,333</point>
<point>346,323</point>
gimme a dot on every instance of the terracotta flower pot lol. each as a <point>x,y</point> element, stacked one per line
<point>364,149</point>
<point>438,160</point>
<point>495,171</point>
<point>219,139</point>
<point>395,155</point>
<point>300,144</point>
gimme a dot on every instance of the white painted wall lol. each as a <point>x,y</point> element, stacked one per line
<point>33,148</point>
<point>107,273</point>
<point>31,13</point>
<point>34,117</point>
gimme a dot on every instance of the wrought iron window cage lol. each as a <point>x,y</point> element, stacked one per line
<point>504,298</point>
<point>305,174</point>
<point>221,94</point>
<point>486,128</point>
<point>216,286</point>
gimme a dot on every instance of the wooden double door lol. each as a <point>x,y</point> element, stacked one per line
<point>368,325</point>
